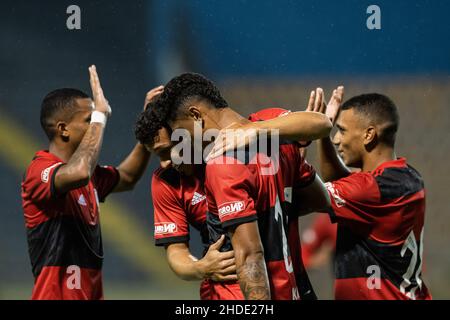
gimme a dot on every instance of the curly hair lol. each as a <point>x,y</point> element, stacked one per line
<point>147,126</point>
<point>177,93</point>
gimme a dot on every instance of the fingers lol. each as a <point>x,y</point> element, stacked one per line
<point>227,265</point>
<point>153,93</point>
<point>95,83</point>
<point>318,100</point>
<point>340,94</point>
<point>230,277</point>
<point>227,255</point>
<point>312,97</point>
<point>219,147</point>
<point>333,107</point>
<point>323,105</point>
<point>218,243</point>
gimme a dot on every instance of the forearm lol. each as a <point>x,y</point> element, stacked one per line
<point>252,276</point>
<point>184,265</point>
<point>331,165</point>
<point>86,155</point>
<point>133,167</point>
<point>311,198</point>
<point>303,125</point>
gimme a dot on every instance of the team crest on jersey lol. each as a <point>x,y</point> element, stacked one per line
<point>335,194</point>
<point>165,228</point>
<point>197,198</point>
<point>46,172</point>
<point>231,207</point>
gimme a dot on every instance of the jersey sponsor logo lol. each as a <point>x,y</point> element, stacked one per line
<point>82,201</point>
<point>165,228</point>
<point>231,207</point>
<point>197,198</point>
<point>46,173</point>
<point>335,194</point>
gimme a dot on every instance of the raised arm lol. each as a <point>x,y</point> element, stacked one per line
<point>133,167</point>
<point>312,198</point>
<point>79,169</point>
<point>331,165</point>
<point>215,265</point>
<point>297,126</point>
<point>301,125</point>
<point>250,264</point>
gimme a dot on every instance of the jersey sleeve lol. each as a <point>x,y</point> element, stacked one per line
<point>105,179</point>
<point>39,183</point>
<point>170,220</point>
<point>306,174</point>
<point>230,189</point>
<point>352,197</point>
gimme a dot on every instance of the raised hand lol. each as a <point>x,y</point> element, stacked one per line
<point>152,94</point>
<point>334,105</point>
<point>231,139</point>
<point>316,101</point>
<point>100,102</point>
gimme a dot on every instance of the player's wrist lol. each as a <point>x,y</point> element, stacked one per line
<point>201,269</point>
<point>99,117</point>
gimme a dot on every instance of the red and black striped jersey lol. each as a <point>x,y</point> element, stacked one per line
<point>178,201</point>
<point>258,188</point>
<point>380,215</point>
<point>63,231</point>
<point>308,174</point>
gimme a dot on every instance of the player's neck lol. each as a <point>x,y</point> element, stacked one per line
<point>377,157</point>
<point>62,152</point>
<point>228,118</point>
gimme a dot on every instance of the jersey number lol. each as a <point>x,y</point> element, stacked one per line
<point>416,263</point>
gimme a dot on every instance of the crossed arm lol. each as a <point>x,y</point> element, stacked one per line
<point>215,265</point>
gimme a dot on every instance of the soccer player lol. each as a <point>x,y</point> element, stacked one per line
<point>379,210</point>
<point>61,191</point>
<point>241,200</point>
<point>179,201</point>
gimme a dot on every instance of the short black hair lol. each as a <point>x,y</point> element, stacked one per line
<point>177,93</point>
<point>58,103</point>
<point>380,110</point>
<point>148,124</point>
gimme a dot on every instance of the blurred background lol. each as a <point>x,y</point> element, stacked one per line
<point>261,54</point>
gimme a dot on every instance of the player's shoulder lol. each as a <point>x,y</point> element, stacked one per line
<point>41,165</point>
<point>169,176</point>
<point>360,186</point>
<point>267,114</point>
<point>397,179</point>
<point>226,167</point>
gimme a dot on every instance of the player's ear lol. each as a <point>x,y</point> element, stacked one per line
<point>62,131</point>
<point>370,136</point>
<point>195,113</point>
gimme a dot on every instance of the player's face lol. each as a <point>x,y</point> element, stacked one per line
<point>79,124</point>
<point>349,138</point>
<point>163,149</point>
